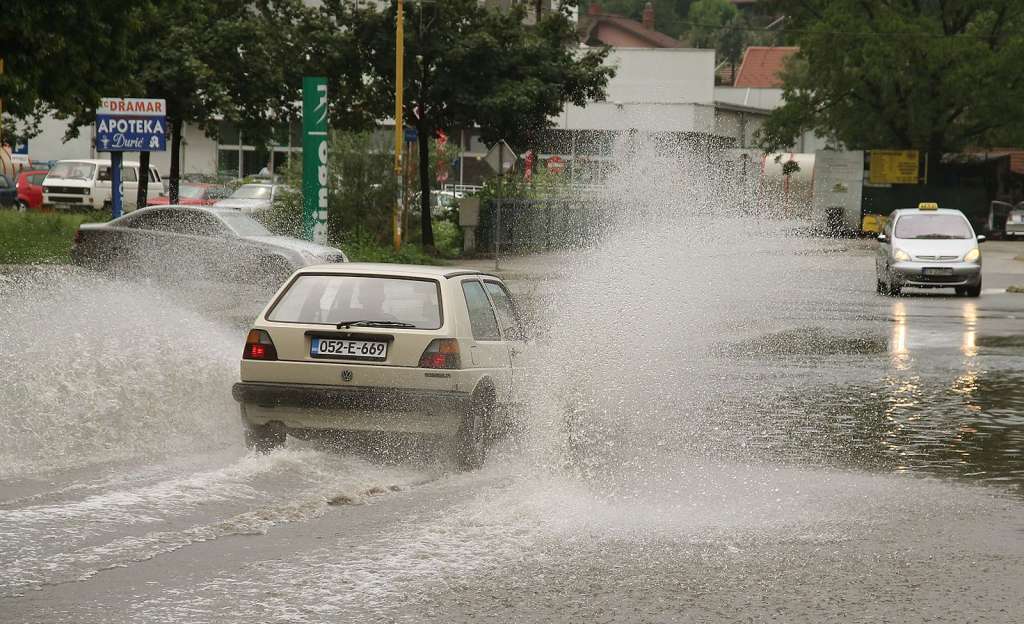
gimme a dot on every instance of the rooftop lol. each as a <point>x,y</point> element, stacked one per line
<point>761,67</point>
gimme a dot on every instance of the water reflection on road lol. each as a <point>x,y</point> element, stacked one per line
<point>943,392</point>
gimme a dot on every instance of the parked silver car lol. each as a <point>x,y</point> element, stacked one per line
<point>187,241</point>
<point>928,247</point>
<point>253,198</point>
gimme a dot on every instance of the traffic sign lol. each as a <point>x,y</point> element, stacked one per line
<point>131,125</point>
<point>556,164</point>
<point>500,157</point>
<point>410,135</point>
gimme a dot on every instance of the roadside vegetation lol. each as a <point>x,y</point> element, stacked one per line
<point>35,237</point>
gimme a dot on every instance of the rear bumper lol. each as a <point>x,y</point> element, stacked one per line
<point>355,408</point>
<point>919,274</point>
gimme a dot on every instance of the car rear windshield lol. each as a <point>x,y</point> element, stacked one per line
<point>332,299</point>
<point>244,225</point>
<point>934,226</point>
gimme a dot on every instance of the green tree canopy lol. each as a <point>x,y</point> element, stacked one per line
<point>707,20</point>
<point>934,76</point>
<point>468,66</point>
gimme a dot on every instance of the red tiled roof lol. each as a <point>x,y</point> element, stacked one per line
<point>761,66</point>
<point>589,23</point>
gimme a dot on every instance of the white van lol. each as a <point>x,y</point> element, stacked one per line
<point>85,185</point>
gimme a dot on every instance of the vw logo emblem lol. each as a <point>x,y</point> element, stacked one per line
<point>346,375</point>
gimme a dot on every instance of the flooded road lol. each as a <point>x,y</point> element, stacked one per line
<point>818,453</point>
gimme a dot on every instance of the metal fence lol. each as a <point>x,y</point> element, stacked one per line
<point>532,225</point>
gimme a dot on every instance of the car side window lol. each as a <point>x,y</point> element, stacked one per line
<point>481,315</point>
<point>197,224</point>
<point>153,175</point>
<point>37,178</point>
<point>129,174</point>
<point>508,319</point>
<point>157,220</point>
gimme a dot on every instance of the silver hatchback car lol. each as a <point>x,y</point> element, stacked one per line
<point>928,247</point>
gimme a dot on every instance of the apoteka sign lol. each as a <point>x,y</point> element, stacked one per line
<point>131,125</point>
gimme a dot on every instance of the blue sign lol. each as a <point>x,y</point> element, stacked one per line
<point>131,134</point>
<point>131,125</point>
<point>21,148</point>
<point>410,135</point>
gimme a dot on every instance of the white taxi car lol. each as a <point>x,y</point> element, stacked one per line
<point>928,247</point>
<point>383,348</point>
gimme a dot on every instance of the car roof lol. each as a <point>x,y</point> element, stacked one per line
<point>384,268</point>
<point>906,211</point>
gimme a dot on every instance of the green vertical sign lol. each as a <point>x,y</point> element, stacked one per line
<point>314,159</point>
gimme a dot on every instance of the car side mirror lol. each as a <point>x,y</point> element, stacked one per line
<point>882,238</point>
<point>981,238</point>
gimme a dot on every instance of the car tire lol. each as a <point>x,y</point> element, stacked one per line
<point>973,291</point>
<point>22,206</point>
<point>474,431</point>
<point>880,287</point>
<point>264,438</point>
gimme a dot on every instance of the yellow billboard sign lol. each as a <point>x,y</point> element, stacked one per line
<point>894,167</point>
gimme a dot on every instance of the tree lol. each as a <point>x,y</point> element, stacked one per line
<point>707,18</point>
<point>235,60</point>
<point>469,66</point>
<point>64,56</point>
<point>933,76</point>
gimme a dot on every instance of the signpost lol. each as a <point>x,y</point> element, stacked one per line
<point>129,125</point>
<point>314,159</point>
<point>556,164</point>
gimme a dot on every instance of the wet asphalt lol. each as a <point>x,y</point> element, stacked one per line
<point>880,479</point>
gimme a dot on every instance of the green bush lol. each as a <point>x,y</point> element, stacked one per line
<point>33,237</point>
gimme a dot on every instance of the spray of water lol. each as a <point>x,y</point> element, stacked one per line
<point>629,383</point>
<point>97,370</point>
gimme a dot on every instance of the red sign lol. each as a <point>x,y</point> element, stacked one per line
<point>556,164</point>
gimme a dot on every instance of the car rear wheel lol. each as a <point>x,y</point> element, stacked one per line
<point>264,438</point>
<point>471,439</point>
<point>22,206</point>
<point>880,287</point>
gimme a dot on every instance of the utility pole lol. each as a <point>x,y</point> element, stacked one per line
<point>396,218</point>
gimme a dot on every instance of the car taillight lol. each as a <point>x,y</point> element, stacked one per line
<point>259,346</point>
<point>441,353</point>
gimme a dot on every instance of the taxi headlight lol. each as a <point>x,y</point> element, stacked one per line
<point>973,255</point>
<point>900,255</point>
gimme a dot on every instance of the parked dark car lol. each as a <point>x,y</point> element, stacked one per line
<point>195,242</point>
<point>30,189</point>
<point>8,194</point>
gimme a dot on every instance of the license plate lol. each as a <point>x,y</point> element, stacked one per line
<point>348,349</point>
<point>938,271</point>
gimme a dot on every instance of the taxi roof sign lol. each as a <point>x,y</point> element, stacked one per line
<point>928,206</point>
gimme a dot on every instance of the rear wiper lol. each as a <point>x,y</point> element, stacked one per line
<point>347,324</point>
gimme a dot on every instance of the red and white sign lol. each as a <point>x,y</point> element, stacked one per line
<point>135,107</point>
<point>556,164</point>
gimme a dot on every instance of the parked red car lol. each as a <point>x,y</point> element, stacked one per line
<point>30,189</point>
<point>193,194</point>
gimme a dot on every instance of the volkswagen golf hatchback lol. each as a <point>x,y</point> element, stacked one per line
<point>383,348</point>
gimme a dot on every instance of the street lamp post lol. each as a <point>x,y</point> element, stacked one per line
<point>396,219</point>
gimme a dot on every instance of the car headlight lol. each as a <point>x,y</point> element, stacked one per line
<point>900,255</point>
<point>973,255</point>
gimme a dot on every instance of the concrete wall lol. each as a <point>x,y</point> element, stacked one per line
<point>669,90</point>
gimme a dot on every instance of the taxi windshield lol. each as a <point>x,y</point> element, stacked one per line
<point>933,226</point>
